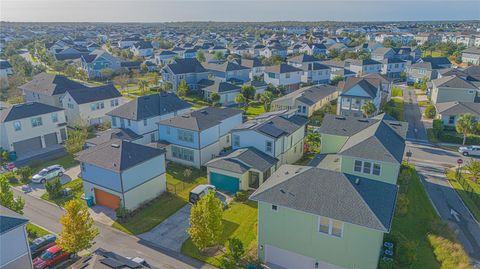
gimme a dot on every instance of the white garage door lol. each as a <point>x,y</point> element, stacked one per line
<point>280,258</point>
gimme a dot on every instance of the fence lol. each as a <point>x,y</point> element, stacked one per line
<point>175,188</point>
<point>469,190</point>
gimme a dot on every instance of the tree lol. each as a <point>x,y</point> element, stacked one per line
<point>313,140</point>
<point>82,75</point>
<point>218,55</point>
<point>143,68</point>
<point>121,81</point>
<point>368,109</point>
<point>266,98</point>
<point>76,140</point>
<point>248,91</point>
<point>106,73</point>
<point>240,99</point>
<point>235,249</point>
<point>336,80</point>
<point>6,196</point>
<point>54,188</point>
<point>182,90</point>
<point>206,224</point>
<point>473,167</point>
<point>215,98</point>
<point>430,112</point>
<point>201,56</point>
<point>25,173</point>
<point>70,71</point>
<point>154,78</point>
<point>466,124</point>
<point>142,85</point>
<point>78,231</point>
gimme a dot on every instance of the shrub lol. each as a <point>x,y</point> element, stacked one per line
<point>430,112</point>
<point>54,188</point>
<point>241,196</point>
<point>235,249</point>
<point>396,91</point>
<point>122,212</point>
<point>25,173</point>
<point>449,253</point>
<point>437,127</point>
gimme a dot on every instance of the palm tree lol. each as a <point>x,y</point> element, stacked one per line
<point>266,98</point>
<point>240,99</point>
<point>368,109</point>
<point>142,85</point>
<point>466,124</point>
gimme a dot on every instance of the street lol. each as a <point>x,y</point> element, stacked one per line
<point>431,162</point>
<point>47,215</point>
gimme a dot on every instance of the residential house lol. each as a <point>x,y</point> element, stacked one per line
<point>189,70</point>
<point>441,62</point>
<point>279,134</point>
<point>274,50</point>
<point>256,50</point>
<point>14,245</point>
<point>128,42</point>
<point>363,67</point>
<point>165,57</point>
<point>122,174</point>
<point>226,90</point>
<point>142,49</point>
<point>283,75</point>
<point>449,112</point>
<point>453,88</point>
<point>313,71</point>
<point>392,68</point>
<point>228,71</point>
<point>380,54</point>
<point>423,70</point>
<point>30,128</point>
<point>306,100</point>
<point>243,169</point>
<point>354,92</point>
<point>408,54</point>
<point>48,89</point>
<point>141,115</point>
<point>471,55</point>
<point>313,49</point>
<point>256,67</point>
<point>103,259</point>
<point>97,60</point>
<point>90,105</point>
<point>199,136</point>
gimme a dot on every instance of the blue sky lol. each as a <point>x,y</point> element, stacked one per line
<point>234,10</point>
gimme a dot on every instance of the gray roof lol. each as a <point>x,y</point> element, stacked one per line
<point>370,85</point>
<point>302,58</point>
<point>453,82</point>
<point>201,119</point>
<point>281,68</point>
<point>148,106</point>
<point>361,62</point>
<point>124,134</point>
<point>118,155</point>
<point>224,67</point>
<point>255,62</point>
<point>314,66</point>
<point>50,84</point>
<point>92,94</point>
<point>457,108</point>
<point>370,203</point>
<point>310,95</point>
<point>185,66</point>
<point>242,160</point>
<point>472,50</point>
<point>26,110</point>
<point>221,87</point>
<point>10,220</point>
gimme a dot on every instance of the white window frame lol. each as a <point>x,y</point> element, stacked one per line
<point>267,147</point>
<point>19,124</point>
<point>236,140</point>
<point>373,163</point>
<point>330,227</point>
<point>55,117</point>
<point>38,120</point>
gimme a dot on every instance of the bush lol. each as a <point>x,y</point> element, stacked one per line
<point>122,212</point>
<point>449,253</point>
<point>235,249</point>
<point>25,173</point>
<point>241,196</point>
<point>54,188</point>
<point>430,112</point>
<point>396,91</point>
<point>437,127</point>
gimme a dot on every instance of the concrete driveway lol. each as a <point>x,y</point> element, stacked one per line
<point>38,189</point>
<point>171,233</point>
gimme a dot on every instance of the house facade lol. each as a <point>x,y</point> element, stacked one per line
<point>355,92</point>
<point>189,70</point>
<point>14,245</point>
<point>283,75</point>
<point>453,88</point>
<point>98,60</point>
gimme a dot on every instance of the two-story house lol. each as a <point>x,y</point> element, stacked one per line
<point>95,61</point>
<point>283,75</point>
<point>122,174</point>
<point>313,71</point>
<point>165,57</point>
<point>226,90</point>
<point>189,70</point>
<point>256,68</point>
<point>90,105</point>
<point>14,245</point>
<point>354,92</point>
<point>141,115</point>
<point>279,134</point>
<point>449,112</point>
<point>313,49</point>
<point>195,138</point>
<point>142,49</point>
<point>392,68</point>
<point>471,55</point>
<point>31,128</point>
<point>363,67</point>
<point>453,88</point>
<point>228,71</point>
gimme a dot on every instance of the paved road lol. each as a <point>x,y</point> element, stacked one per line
<point>430,162</point>
<point>47,216</point>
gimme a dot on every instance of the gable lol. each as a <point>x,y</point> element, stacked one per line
<point>356,91</point>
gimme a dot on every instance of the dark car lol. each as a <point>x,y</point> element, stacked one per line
<point>41,244</point>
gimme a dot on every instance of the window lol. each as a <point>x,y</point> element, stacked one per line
<point>451,119</point>
<point>70,106</point>
<point>304,109</point>
<point>97,106</point>
<point>36,121</point>
<point>376,169</point>
<point>82,165</point>
<point>185,136</point>
<point>299,109</point>
<point>324,226</point>
<point>236,140</point>
<point>144,122</point>
<point>422,71</point>
<point>168,129</point>
<point>287,75</point>
<point>268,146</point>
<point>54,117</point>
<point>367,167</point>
<point>182,153</point>
<point>358,166</point>
<point>271,75</point>
<point>114,102</point>
<point>228,139</point>
<point>274,208</point>
<point>330,227</point>
<point>337,227</point>
<point>17,125</point>
<point>129,122</point>
<point>114,121</point>
<point>152,137</point>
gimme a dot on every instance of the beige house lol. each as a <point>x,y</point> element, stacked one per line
<point>452,88</point>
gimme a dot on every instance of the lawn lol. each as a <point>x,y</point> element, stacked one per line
<point>240,221</point>
<point>432,54</point>
<point>396,91</point>
<point>77,190</point>
<point>255,110</point>
<point>467,197</point>
<point>34,232</point>
<point>161,208</point>
<point>424,103</point>
<point>395,108</point>
<point>66,161</point>
<point>196,102</point>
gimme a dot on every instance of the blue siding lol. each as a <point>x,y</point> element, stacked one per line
<point>172,137</point>
<point>143,172</point>
<point>101,177</point>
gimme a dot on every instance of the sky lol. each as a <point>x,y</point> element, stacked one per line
<point>235,10</point>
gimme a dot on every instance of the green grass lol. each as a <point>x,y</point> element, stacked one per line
<point>466,197</point>
<point>66,161</point>
<point>34,232</point>
<point>432,54</point>
<point>77,190</point>
<point>395,108</point>
<point>255,110</point>
<point>196,102</point>
<point>240,221</point>
<point>396,91</point>
<point>306,158</point>
<point>158,210</point>
<point>424,103</point>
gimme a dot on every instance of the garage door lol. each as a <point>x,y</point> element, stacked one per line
<point>106,199</point>
<point>280,258</point>
<point>224,183</point>
<point>50,139</point>
<point>27,145</point>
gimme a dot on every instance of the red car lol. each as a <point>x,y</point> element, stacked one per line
<point>51,257</point>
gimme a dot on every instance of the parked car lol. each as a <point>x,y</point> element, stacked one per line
<point>41,244</point>
<point>50,258</point>
<point>200,191</point>
<point>48,173</point>
<point>470,150</point>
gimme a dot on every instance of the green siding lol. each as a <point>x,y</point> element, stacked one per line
<point>388,172</point>
<point>296,231</point>
<point>332,143</point>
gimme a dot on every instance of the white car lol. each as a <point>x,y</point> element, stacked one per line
<point>48,173</point>
<point>470,150</point>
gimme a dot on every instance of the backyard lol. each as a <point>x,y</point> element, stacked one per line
<point>161,208</point>
<point>255,110</point>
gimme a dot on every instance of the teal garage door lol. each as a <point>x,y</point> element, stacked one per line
<point>224,183</point>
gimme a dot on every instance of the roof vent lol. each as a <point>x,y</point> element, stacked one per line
<point>286,173</point>
<point>395,124</point>
<point>115,146</point>
<point>357,181</point>
<point>282,191</point>
<point>339,117</point>
<point>363,120</point>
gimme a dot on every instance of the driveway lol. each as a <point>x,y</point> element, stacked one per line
<point>38,189</point>
<point>171,233</point>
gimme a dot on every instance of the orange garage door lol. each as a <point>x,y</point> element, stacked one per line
<point>106,199</point>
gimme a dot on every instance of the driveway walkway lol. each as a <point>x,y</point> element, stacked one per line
<point>171,233</point>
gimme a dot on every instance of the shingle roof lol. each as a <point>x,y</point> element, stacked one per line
<point>310,95</point>
<point>242,160</point>
<point>302,58</point>
<point>184,66</point>
<point>362,62</point>
<point>4,64</point>
<point>26,110</point>
<point>148,106</point>
<point>92,94</point>
<point>457,108</point>
<point>10,220</point>
<point>370,85</point>
<point>224,67</point>
<point>472,50</point>
<point>220,87</point>
<point>370,203</point>
<point>281,68</point>
<point>118,155</point>
<point>275,124</point>
<point>201,119</point>
<point>453,82</point>
<point>124,134</point>
<point>252,62</point>
<point>50,84</point>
